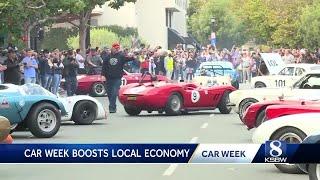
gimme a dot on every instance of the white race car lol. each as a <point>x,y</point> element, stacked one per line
<point>285,78</point>
<point>291,128</point>
<point>307,86</point>
<point>82,109</point>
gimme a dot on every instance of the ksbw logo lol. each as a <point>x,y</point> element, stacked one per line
<point>275,152</point>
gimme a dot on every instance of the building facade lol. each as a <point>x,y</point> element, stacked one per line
<point>159,22</point>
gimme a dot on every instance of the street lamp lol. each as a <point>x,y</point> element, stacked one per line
<point>213,32</point>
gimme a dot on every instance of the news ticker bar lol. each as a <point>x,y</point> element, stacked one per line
<point>270,152</point>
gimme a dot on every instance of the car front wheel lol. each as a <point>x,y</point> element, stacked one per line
<point>132,111</point>
<point>98,89</point>
<point>223,104</point>
<point>174,105</point>
<point>289,135</point>
<point>314,171</point>
<point>44,120</point>
<point>244,106</point>
<point>84,112</point>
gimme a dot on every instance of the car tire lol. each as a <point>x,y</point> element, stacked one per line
<point>261,117</point>
<point>282,135</point>
<point>244,105</point>
<point>132,111</point>
<point>223,104</point>
<point>84,112</point>
<point>259,85</point>
<point>314,171</point>
<point>98,89</point>
<point>44,120</point>
<point>235,84</point>
<point>174,105</point>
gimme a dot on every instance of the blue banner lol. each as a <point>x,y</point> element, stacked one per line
<point>270,152</point>
<point>96,153</point>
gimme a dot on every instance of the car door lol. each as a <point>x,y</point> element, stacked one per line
<point>196,97</point>
<point>9,108</point>
<point>309,87</point>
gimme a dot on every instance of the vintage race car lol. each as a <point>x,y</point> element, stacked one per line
<point>33,107</point>
<point>306,87</point>
<point>94,84</point>
<point>256,113</point>
<point>173,98</point>
<point>5,137</point>
<point>278,111</point>
<point>285,78</point>
<point>216,73</point>
<point>292,129</point>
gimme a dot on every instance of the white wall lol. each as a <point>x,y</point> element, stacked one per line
<point>125,16</point>
<point>151,21</point>
<point>179,22</point>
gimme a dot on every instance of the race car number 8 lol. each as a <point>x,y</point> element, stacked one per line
<point>195,96</point>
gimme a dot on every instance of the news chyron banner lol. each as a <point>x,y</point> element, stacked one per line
<point>270,152</point>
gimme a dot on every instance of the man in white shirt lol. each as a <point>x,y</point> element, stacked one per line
<point>81,62</point>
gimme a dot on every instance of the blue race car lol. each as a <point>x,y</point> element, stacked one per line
<point>34,107</point>
<point>216,73</point>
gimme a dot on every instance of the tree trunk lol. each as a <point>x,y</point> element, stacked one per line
<point>82,38</point>
<point>83,26</point>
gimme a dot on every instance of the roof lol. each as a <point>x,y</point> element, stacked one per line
<point>303,65</point>
<point>215,63</point>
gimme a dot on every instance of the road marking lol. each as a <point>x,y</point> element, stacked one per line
<point>211,115</point>
<point>204,125</point>
<point>170,170</point>
<point>194,140</point>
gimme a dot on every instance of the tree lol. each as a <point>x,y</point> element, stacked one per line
<point>309,26</point>
<point>230,28</point>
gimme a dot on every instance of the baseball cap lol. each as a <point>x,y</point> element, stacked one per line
<point>116,45</point>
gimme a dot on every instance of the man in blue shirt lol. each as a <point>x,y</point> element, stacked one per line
<point>30,66</point>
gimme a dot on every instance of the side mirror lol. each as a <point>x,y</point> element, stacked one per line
<point>4,128</point>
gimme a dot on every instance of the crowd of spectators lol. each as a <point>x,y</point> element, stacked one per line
<point>47,68</point>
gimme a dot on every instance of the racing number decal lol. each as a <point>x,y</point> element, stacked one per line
<point>280,83</point>
<point>195,96</point>
<point>123,81</point>
<point>272,63</point>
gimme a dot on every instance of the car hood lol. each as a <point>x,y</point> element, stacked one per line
<point>143,89</point>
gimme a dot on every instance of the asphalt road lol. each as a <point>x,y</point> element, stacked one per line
<point>200,127</point>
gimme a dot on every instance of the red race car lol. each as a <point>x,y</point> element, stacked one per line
<point>278,111</point>
<point>173,98</point>
<point>256,113</point>
<point>95,84</point>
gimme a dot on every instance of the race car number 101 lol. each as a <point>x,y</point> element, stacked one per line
<point>280,83</point>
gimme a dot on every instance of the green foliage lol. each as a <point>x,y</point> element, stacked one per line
<point>121,31</point>
<point>100,37</point>
<point>309,26</point>
<point>280,23</point>
<point>57,38</point>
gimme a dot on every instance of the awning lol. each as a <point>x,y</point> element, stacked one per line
<point>174,38</point>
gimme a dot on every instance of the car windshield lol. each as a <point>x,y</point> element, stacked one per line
<point>213,70</point>
<point>34,89</point>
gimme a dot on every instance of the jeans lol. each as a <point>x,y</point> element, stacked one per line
<point>56,83</point>
<point>72,85</point>
<point>30,80</point>
<point>46,81</point>
<point>113,86</point>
